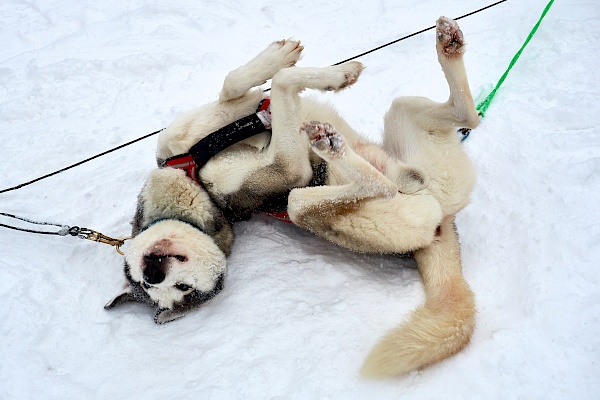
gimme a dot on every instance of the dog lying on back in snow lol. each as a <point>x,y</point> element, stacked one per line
<point>394,198</point>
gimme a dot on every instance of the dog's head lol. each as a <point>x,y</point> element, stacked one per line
<point>174,266</point>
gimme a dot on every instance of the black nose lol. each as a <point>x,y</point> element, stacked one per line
<point>154,270</point>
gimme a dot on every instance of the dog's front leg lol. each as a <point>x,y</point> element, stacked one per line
<point>259,177</point>
<point>286,162</point>
<point>289,149</point>
<point>278,55</point>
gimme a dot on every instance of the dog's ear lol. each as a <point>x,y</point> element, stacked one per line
<point>125,295</point>
<point>164,315</point>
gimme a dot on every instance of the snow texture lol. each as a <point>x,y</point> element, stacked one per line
<point>298,315</point>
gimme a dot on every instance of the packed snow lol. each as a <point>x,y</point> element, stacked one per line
<point>298,314</point>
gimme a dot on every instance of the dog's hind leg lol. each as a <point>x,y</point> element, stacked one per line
<point>288,151</point>
<point>278,55</point>
<point>361,179</point>
<point>459,110</point>
<point>422,133</point>
<point>409,115</point>
<point>364,211</point>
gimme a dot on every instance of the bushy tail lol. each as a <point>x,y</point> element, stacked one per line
<point>442,326</point>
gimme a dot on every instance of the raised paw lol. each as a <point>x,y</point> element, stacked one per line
<point>348,75</point>
<point>282,53</point>
<point>324,139</point>
<point>449,37</point>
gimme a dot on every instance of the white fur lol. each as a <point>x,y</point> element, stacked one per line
<point>205,262</point>
<point>169,193</point>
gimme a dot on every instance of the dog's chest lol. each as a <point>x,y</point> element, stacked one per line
<point>227,171</point>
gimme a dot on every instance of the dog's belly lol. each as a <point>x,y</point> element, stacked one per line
<point>374,155</point>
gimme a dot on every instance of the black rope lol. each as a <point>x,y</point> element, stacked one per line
<point>266,90</point>
<point>416,33</point>
<point>80,162</point>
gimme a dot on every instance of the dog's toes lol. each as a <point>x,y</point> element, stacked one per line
<point>351,71</point>
<point>449,37</point>
<point>324,139</point>
<point>288,52</point>
<point>354,70</point>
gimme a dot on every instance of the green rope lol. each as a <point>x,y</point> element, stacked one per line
<point>483,106</point>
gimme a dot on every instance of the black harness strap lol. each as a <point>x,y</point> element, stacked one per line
<point>209,146</point>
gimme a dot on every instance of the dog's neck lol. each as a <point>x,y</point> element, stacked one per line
<point>156,221</point>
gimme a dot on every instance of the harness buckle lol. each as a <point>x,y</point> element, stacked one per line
<point>185,162</point>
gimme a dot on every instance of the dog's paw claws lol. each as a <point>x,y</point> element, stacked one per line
<point>324,139</point>
<point>449,37</point>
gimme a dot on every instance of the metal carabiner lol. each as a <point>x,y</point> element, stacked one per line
<point>90,234</point>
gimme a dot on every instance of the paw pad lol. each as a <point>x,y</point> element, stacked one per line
<point>449,36</point>
<point>324,139</point>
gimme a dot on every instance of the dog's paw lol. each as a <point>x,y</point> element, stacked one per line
<point>449,37</point>
<point>411,180</point>
<point>345,75</point>
<point>324,139</point>
<point>282,54</point>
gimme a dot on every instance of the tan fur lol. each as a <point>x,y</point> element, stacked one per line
<point>434,180</point>
<point>439,328</point>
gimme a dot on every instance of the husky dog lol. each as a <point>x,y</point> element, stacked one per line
<point>399,197</point>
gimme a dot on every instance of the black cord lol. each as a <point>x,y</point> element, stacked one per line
<point>80,162</point>
<point>266,90</point>
<point>416,33</point>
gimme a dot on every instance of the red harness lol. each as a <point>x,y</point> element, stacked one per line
<point>185,162</point>
<point>283,216</point>
<point>212,144</point>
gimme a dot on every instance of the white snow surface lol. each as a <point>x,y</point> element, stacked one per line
<point>298,314</point>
